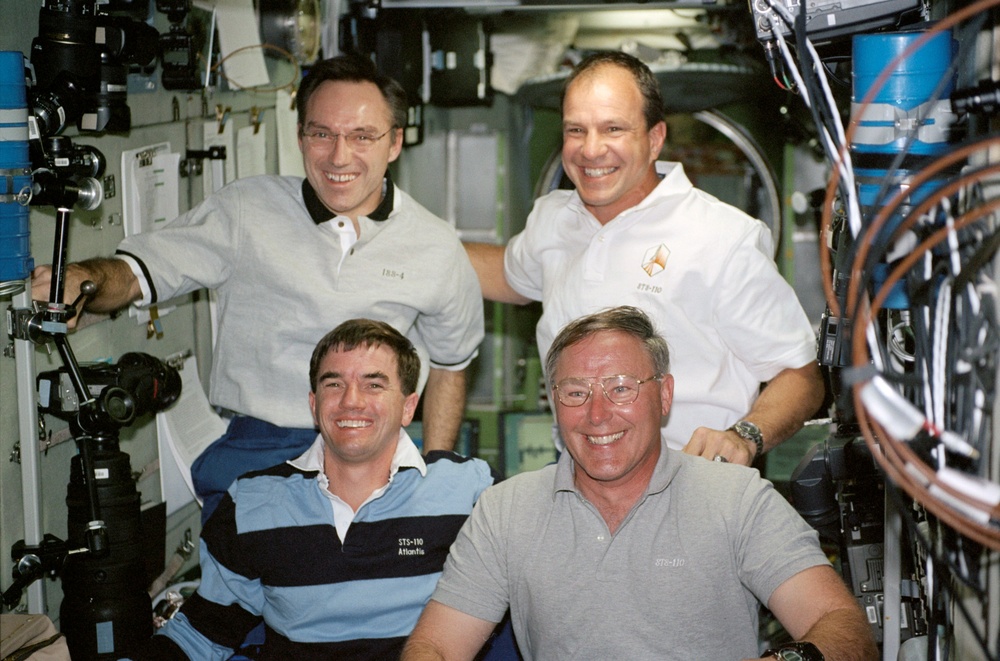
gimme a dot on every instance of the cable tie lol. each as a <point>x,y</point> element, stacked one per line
<point>893,411</point>
<point>851,376</point>
<point>972,486</point>
<point>961,506</point>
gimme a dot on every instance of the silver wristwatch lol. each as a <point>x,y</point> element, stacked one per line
<point>751,432</point>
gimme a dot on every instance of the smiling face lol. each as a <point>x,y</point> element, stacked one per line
<point>348,182</point>
<point>612,446</point>
<point>608,153</point>
<point>359,406</point>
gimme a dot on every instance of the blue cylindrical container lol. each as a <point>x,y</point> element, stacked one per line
<point>15,174</point>
<point>912,83</point>
<point>910,112</point>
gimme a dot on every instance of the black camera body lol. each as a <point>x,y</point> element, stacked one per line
<point>178,49</point>
<point>81,60</point>
<point>137,384</point>
<point>838,489</point>
<point>66,159</point>
<point>106,609</point>
<point>179,59</point>
<point>66,174</point>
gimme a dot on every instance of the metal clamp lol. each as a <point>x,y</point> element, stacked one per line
<point>22,196</point>
<point>191,163</point>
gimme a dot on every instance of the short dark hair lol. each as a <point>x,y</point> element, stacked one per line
<point>355,333</point>
<point>653,108</point>
<point>625,319</point>
<point>352,69</point>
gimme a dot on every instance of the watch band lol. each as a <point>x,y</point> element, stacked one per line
<point>751,432</point>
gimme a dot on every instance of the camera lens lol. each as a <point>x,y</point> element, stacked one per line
<point>73,160</point>
<point>65,43</point>
<point>81,59</point>
<point>155,384</point>
<point>131,42</point>
<point>118,404</point>
<point>108,110</point>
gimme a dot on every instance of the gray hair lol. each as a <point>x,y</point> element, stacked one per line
<point>624,318</point>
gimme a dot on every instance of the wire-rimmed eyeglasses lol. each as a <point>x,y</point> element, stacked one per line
<point>356,140</point>
<point>620,389</point>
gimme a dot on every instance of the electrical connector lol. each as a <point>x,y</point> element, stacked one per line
<point>893,411</point>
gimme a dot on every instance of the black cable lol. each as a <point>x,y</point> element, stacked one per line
<point>980,638</point>
<point>769,55</point>
<point>976,343</point>
<point>830,71</point>
<point>996,644</point>
<point>890,232</point>
<point>904,509</point>
<point>959,406</point>
<point>921,349</point>
<point>906,516</point>
<point>961,387</point>
<point>979,259</point>
<point>904,506</point>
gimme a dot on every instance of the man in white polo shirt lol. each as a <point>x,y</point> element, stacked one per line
<point>637,232</point>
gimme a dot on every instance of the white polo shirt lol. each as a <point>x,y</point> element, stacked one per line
<point>700,268</point>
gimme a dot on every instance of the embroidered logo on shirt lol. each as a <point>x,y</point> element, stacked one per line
<point>411,546</point>
<point>670,562</point>
<point>655,260</point>
<point>392,273</point>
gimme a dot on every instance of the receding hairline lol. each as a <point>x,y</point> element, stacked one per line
<point>598,67</point>
<point>651,105</point>
<point>597,333</point>
<point>386,106</point>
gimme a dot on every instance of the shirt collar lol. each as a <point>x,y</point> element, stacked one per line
<point>320,214</point>
<point>672,180</point>
<point>406,456</point>
<point>666,468</point>
<point>311,459</point>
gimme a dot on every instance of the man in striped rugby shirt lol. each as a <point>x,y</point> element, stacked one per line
<point>338,550</point>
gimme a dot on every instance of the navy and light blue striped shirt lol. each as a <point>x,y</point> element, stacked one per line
<point>271,552</point>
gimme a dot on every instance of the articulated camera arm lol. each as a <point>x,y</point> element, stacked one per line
<point>32,562</point>
<point>39,327</point>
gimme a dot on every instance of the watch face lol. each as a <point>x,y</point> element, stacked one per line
<point>790,655</point>
<point>797,651</point>
<point>747,429</point>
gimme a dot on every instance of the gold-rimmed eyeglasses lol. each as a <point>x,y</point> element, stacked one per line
<point>356,140</point>
<point>620,389</point>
